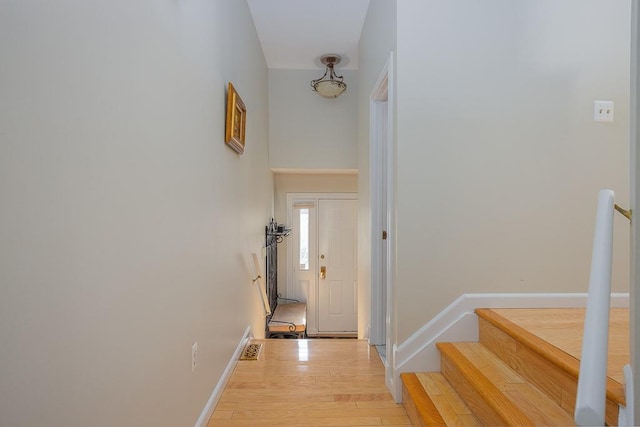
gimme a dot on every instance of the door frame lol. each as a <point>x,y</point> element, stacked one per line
<point>382,167</point>
<point>312,313</point>
<point>634,136</point>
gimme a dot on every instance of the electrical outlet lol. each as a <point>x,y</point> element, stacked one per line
<point>194,356</point>
<point>603,111</point>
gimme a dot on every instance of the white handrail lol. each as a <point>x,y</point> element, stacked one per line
<point>590,401</point>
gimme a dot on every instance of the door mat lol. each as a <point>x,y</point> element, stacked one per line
<point>251,352</point>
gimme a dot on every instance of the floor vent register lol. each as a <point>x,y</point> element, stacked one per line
<point>251,352</point>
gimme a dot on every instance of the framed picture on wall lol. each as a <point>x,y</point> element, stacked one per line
<point>236,120</point>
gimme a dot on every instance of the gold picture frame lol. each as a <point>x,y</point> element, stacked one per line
<point>236,121</point>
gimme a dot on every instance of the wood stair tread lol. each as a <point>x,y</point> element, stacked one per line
<point>496,393</point>
<point>512,376</point>
<point>420,408</point>
<point>431,401</point>
<point>553,354</point>
<point>530,355</point>
<point>447,401</point>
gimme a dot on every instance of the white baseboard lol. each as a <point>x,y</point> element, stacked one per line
<point>222,382</point>
<point>458,322</point>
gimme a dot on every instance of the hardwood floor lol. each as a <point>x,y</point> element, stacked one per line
<point>322,382</point>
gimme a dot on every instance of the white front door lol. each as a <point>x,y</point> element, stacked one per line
<point>337,272</point>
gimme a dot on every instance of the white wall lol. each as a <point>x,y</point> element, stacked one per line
<point>499,162</point>
<point>303,183</point>
<point>126,223</point>
<point>377,41</point>
<point>308,131</point>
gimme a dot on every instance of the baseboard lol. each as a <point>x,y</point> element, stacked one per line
<point>222,382</point>
<point>458,322</point>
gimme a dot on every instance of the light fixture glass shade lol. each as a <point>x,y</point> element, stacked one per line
<point>330,85</point>
<point>330,88</point>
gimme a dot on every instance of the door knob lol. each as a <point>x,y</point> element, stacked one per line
<point>323,272</point>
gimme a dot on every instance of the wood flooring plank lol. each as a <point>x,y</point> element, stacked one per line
<point>309,383</point>
<point>373,380</point>
<point>283,406</point>
<point>274,385</point>
<point>222,414</point>
<point>310,391</point>
<point>402,420</point>
<point>276,398</point>
<point>383,404</point>
<point>298,422</point>
<point>359,370</point>
<point>283,378</point>
<point>363,397</point>
<point>304,413</point>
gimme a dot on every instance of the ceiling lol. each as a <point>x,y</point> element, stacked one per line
<point>296,33</point>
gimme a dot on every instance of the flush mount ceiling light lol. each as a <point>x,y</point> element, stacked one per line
<point>329,85</point>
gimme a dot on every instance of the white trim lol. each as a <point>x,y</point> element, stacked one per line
<point>377,319</point>
<point>634,136</point>
<point>382,149</point>
<point>626,413</point>
<point>392,307</point>
<point>458,322</point>
<point>312,297</point>
<point>208,409</point>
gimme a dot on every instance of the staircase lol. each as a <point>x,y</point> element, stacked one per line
<point>511,377</point>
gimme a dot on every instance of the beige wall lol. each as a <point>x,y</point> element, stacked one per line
<point>303,183</point>
<point>377,41</point>
<point>306,130</point>
<point>126,223</point>
<point>499,160</point>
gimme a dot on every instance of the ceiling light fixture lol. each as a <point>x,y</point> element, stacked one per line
<point>330,85</point>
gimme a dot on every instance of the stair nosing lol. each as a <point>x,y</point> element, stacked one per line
<point>421,398</point>
<point>501,404</point>
<point>549,352</point>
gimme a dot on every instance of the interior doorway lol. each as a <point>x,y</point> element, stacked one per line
<point>322,260</point>
<point>381,168</point>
